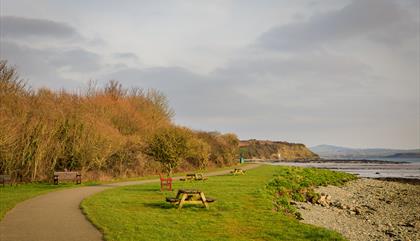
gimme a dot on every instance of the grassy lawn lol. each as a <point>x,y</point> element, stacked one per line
<point>12,195</point>
<point>245,209</point>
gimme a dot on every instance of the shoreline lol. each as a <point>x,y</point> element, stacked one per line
<point>359,161</point>
<point>367,209</point>
<point>376,169</point>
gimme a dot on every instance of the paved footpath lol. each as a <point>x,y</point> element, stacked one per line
<point>56,216</point>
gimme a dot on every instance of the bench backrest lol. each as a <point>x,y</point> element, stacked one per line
<point>66,175</point>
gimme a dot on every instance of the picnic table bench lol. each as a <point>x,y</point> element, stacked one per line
<point>190,196</point>
<point>237,171</point>
<point>5,178</point>
<point>194,177</point>
<point>67,175</point>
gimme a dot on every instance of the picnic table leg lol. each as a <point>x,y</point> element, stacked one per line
<point>203,199</point>
<point>181,202</point>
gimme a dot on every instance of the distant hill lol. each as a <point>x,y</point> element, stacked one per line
<point>405,155</point>
<point>275,150</point>
<point>330,151</point>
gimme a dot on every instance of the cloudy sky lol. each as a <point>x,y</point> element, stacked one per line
<point>316,71</point>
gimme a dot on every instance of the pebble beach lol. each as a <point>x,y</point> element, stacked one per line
<point>368,209</point>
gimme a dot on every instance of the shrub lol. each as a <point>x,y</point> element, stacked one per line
<point>296,183</point>
<point>102,131</point>
<point>169,146</point>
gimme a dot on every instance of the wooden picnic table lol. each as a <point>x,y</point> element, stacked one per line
<point>190,196</point>
<point>194,177</point>
<point>238,171</point>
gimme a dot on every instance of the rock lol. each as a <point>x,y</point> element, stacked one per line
<point>338,204</point>
<point>351,212</point>
<point>357,210</point>
<point>328,198</point>
<point>324,200</point>
<point>390,233</point>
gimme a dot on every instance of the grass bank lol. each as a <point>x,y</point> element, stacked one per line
<point>245,210</point>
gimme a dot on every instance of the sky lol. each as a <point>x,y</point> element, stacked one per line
<point>310,71</point>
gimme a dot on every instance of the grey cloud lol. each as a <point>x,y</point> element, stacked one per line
<point>126,55</point>
<point>380,20</point>
<point>43,65</point>
<point>19,27</point>
<point>78,60</point>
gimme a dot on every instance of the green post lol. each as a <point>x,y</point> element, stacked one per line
<point>241,160</point>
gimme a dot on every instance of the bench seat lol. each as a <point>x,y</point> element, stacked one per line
<point>172,200</point>
<point>210,200</point>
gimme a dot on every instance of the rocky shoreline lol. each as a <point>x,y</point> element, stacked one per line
<point>368,209</point>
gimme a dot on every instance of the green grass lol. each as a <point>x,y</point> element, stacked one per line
<point>245,210</point>
<point>12,195</point>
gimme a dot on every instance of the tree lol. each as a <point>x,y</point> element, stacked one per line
<point>169,146</point>
<point>199,152</point>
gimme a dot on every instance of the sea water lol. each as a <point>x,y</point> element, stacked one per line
<point>409,169</point>
<point>390,159</point>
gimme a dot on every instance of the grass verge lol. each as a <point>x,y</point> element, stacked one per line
<point>245,210</point>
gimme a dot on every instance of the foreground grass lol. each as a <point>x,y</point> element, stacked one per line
<point>12,195</point>
<point>244,210</point>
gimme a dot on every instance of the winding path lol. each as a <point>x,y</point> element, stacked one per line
<point>56,216</point>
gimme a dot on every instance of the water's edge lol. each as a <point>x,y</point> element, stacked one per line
<point>370,169</point>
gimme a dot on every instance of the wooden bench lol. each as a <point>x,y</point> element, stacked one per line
<point>73,176</point>
<point>5,178</point>
<point>237,171</point>
<point>165,183</point>
<point>174,200</point>
<point>194,177</point>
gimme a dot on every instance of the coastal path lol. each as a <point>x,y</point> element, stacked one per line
<point>57,215</point>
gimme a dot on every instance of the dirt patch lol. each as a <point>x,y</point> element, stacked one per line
<point>367,209</point>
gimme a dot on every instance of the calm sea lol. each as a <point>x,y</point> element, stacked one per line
<point>410,169</point>
<point>393,159</point>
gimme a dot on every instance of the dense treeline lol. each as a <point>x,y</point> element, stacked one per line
<point>104,132</point>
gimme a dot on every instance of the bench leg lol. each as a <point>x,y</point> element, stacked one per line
<point>203,199</point>
<point>181,202</point>
<point>79,179</point>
